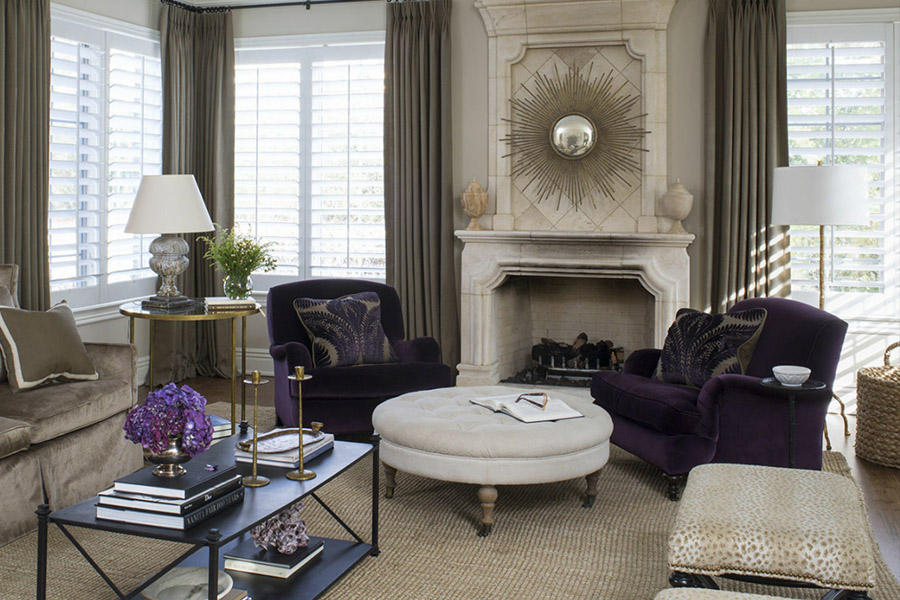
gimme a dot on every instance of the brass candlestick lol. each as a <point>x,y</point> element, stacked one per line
<point>255,480</point>
<point>300,474</point>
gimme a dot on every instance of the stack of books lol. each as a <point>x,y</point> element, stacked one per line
<point>247,558</point>
<point>269,454</point>
<point>223,303</point>
<point>179,503</point>
<point>221,428</point>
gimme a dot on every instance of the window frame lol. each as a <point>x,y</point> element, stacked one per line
<point>305,50</point>
<point>83,26</point>
<point>860,306</point>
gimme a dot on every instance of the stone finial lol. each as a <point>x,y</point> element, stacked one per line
<point>676,204</point>
<point>474,201</point>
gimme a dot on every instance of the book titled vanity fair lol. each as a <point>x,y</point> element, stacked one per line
<point>167,521</point>
<point>162,504</point>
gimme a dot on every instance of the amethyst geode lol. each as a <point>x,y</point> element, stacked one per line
<point>286,531</point>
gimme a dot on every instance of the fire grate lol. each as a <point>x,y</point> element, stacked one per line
<point>559,363</point>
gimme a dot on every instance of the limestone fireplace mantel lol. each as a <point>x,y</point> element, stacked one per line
<point>659,262</point>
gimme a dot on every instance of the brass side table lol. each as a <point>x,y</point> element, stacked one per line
<point>134,310</point>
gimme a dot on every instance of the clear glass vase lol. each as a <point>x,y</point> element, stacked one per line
<point>237,287</point>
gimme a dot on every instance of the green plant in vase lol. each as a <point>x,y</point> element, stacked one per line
<point>237,256</point>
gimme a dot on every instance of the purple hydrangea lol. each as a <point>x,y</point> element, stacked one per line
<point>286,531</point>
<point>170,411</point>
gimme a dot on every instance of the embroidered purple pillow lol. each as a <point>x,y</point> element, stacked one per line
<point>700,345</point>
<point>345,331</point>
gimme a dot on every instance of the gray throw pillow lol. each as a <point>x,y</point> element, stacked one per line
<point>345,331</point>
<point>6,299</point>
<point>41,346</point>
<point>700,345</point>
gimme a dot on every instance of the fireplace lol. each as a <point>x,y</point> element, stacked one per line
<point>603,265</point>
<point>519,287</point>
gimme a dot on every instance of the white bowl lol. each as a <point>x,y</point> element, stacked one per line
<point>791,375</point>
<point>186,583</point>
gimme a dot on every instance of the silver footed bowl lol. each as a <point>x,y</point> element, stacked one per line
<point>169,461</point>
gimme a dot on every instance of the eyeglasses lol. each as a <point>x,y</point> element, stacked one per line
<point>527,397</point>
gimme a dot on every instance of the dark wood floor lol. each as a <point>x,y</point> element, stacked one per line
<point>881,485</point>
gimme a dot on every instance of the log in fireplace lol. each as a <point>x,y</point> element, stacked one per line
<point>560,363</point>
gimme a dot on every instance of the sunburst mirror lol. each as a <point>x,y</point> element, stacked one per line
<point>571,135</point>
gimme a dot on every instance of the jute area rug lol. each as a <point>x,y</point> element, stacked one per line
<point>544,545</point>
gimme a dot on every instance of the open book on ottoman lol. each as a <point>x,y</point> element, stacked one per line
<point>530,407</point>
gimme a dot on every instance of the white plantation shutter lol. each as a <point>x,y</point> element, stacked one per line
<point>269,159</point>
<point>841,111</point>
<point>308,154</point>
<point>105,134</point>
<point>76,162</point>
<point>134,149</point>
<point>347,178</point>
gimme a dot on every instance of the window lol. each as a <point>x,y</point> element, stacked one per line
<point>842,109</point>
<point>105,133</point>
<point>308,156</point>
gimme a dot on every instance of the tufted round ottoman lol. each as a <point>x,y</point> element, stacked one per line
<point>441,435</point>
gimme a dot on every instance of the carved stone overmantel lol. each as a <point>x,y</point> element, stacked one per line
<point>625,37</point>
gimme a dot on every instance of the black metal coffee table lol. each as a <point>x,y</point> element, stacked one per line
<point>209,538</point>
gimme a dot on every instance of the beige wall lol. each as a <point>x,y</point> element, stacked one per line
<point>136,12</point>
<point>686,110</point>
<point>811,5</point>
<point>296,20</point>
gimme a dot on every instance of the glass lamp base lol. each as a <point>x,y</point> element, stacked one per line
<point>298,475</point>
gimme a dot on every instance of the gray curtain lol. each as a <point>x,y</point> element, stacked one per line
<point>198,138</point>
<point>25,146</point>
<point>418,193</point>
<point>746,139</point>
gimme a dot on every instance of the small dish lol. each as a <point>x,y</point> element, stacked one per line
<point>186,583</point>
<point>791,375</point>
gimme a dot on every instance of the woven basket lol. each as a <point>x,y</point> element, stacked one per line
<point>878,412</point>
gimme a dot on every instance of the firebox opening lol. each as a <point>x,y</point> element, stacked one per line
<point>560,330</point>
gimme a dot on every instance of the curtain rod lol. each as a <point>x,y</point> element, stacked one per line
<point>214,9</point>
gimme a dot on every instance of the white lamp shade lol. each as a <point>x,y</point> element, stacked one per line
<point>823,195</point>
<point>168,204</point>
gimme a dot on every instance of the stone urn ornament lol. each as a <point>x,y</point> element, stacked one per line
<point>474,201</point>
<point>676,204</point>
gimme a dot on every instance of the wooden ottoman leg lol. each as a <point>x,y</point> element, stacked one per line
<point>487,495</point>
<point>390,480</point>
<point>591,489</point>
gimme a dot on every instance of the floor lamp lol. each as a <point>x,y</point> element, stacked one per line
<point>821,195</point>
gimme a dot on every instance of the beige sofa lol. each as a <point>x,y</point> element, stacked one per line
<point>63,442</point>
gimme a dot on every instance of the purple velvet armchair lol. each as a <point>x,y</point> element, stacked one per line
<point>732,418</point>
<point>343,398</point>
